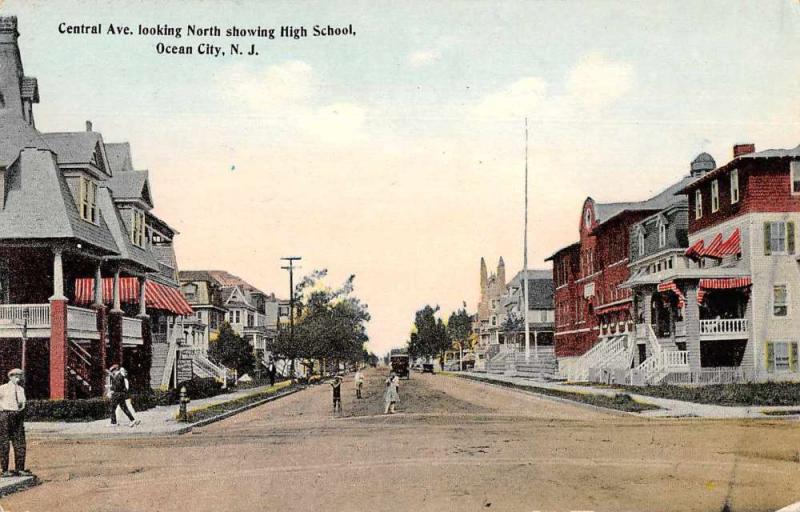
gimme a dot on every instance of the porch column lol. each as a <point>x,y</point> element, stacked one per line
<point>59,347</point>
<point>691,318</point>
<point>99,352</point>
<point>115,325</point>
<point>145,358</point>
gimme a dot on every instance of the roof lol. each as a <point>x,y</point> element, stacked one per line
<point>573,245</point>
<point>16,134</point>
<point>660,201</point>
<point>540,288</point>
<point>119,156</point>
<point>767,153</point>
<point>127,251</point>
<point>131,185</point>
<point>75,147</point>
<point>35,180</point>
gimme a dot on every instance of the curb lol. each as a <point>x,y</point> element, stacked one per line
<point>531,390</point>
<point>228,414</point>
<point>25,483</point>
<point>177,431</point>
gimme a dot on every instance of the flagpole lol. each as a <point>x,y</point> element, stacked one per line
<point>525,263</point>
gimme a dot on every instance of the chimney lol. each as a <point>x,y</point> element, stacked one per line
<point>743,149</point>
<point>88,126</point>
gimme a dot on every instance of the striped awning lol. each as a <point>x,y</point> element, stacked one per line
<point>600,310</point>
<point>717,248</point>
<point>724,283</point>
<point>670,286</point>
<point>696,250</point>
<point>157,295</point>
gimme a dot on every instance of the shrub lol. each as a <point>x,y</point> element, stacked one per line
<point>89,409</point>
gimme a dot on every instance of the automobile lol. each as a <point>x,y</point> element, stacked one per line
<point>427,368</point>
<point>399,361</point>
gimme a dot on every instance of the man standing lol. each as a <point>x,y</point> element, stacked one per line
<point>12,424</point>
<point>271,371</point>
<point>359,380</point>
<point>119,394</point>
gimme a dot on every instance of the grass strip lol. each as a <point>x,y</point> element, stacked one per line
<point>210,411</point>
<point>790,412</point>
<point>753,394</point>
<point>619,402</point>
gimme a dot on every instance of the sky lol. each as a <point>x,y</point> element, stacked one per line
<point>398,154</point>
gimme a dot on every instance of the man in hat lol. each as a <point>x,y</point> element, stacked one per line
<point>119,395</point>
<point>12,424</point>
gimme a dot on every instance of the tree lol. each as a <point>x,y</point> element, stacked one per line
<point>512,327</point>
<point>429,337</point>
<point>459,328</point>
<point>331,324</point>
<point>232,350</point>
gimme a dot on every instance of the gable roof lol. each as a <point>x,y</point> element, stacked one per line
<point>119,156</point>
<point>78,148</point>
<point>131,185</point>
<point>667,197</point>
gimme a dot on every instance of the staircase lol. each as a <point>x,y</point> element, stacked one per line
<point>204,367</point>
<point>79,368</point>
<point>612,354</point>
<point>664,360</point>
<point>541,365</point>
<point>157,367</point>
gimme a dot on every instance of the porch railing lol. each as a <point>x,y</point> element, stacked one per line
<point>724,327</point>
<point>131,328</point>
<point>81,319</point>
<point>38,314</point>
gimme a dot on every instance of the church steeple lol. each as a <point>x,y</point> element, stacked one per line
<point>18,93</point>
<point>501,272</point>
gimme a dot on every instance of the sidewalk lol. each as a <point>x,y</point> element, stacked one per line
<point>158,421</point>
<point>669,408</point>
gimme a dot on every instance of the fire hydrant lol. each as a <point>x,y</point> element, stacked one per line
<point>184,401</point>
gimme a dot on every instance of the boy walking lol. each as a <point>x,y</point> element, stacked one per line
<point>336,384</point>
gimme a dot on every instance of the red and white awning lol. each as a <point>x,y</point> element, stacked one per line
<point>670,286</point>
<point>717,248</point>
<point>157,295</point>
<point>724,283</point>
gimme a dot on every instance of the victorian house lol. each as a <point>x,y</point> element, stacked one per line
<point>85,265</point>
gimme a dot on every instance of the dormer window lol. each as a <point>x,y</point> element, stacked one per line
<point>795,177</point>
<point>138,228</point>
<point>662,234</point>
<point>88,200</point>
<point>735,186</point>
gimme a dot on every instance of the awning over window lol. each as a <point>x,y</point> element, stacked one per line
<point>157,295</point>
<point>670,286</point>
<point>725,283</point>
<point>600,310</point>
<point>717,248</point>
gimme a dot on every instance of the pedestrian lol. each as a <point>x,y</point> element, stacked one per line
<point>128,401</point>
<point>119,396</point>
<point>359,380</point>
<point>12,424</point>
<point>392,395</point>
<point>336,384</point>
<point>271,371</point>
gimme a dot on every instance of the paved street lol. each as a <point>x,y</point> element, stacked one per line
<point>455,445</point>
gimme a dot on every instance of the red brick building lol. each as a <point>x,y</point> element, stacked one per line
<point>589,302</point>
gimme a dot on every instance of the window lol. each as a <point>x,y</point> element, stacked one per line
<point>190,291</point>
<point>780,304</point>
<point>88,200</point>
<point>640,242</point>
<point>237,317</point>
<point>795,173</point>
<point>137,228</point>
<point>662,234</point>
<point>698,204</point>
<point>781,357</point>
<point>734,186</point>
<point>778,237</point>
<point>494,320</point>
<point>714,196</point>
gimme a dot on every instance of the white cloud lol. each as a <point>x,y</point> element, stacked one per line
<point>424,57</point>
<point>598,81</point>
<point>520,98</point>
<point>288,95</point>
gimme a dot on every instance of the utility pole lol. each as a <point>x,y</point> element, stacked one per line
<point>525,264</point>
<point>290,267</point>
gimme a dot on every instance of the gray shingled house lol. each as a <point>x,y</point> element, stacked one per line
<point>77,236</point>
